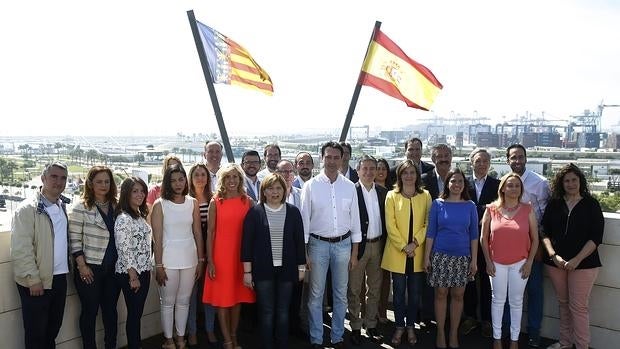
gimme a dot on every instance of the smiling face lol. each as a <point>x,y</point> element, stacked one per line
<point>101,185</point>
<point>456,184</point>
<point>304,165</point>
<point>137,197</point>
<point>571,184</point>
<point>272,157</point>
<point>286,170</point>
<point>213,155</point>
<point>332,159</point>
<point>251,165</point>
<point>517,160</point>
<point>54,182</point>
<point>382,172</point>
<point>442,158</point>
<point>414,151</point>
<point>231,182</point>
<point>481,163</point>
<point>367,171</point>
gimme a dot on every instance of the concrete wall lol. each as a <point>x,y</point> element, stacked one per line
<point>604,303</point>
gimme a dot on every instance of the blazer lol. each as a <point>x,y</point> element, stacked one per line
<point>296,197</point>
<point>250,190</point>
<point>256,244</point>
<point>381,194</point>
<point>430,184</point>
<point>488,194</point>
<point>397,211</point>
<point>88,234</point>
<point>353,177</point>
<point>391,178</point>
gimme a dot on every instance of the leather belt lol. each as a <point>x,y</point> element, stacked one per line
<point>378,238</point>
<point>336,239</point>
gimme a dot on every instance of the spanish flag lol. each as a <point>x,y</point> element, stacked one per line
<point>388,69</point>
<point>231,64</point>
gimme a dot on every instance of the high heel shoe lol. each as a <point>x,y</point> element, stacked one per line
<point>168,345</point>
<point>181,344</point>
<point>411,338</point>
<point>398,336</point>
<point>235,343</point>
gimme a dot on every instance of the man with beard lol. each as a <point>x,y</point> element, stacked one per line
<point>213,156</point>
<point>304,164</point>
<point>536,192</point>
<point>250,162</point>
<point>272,156</point>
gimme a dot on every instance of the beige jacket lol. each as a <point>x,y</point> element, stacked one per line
<point>88,233</point>
<point>32,243</point>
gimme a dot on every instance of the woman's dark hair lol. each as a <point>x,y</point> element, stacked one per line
<point>166,187</point>
<point>446,191</point>
<point>123,201</point>
<point>398,186</point>
<point>207,189</point>
<point>557,185</point>
<point>89,193</point>
<point>384,162</point>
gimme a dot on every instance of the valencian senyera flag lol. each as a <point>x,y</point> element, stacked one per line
<point>388,69</point>
<point>231,64</point>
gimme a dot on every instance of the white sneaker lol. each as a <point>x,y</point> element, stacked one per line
<point>556,345</point>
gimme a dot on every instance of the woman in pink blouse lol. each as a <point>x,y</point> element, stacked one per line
<point>509,240</point>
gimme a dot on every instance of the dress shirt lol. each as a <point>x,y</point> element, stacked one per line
<point>213,181</point>
<point>330,209</point>
<point>479,184</point>
<point>298,182</point>
<point>254,186</point>
<point>374,214</point>
<point>59,225</point>
<point>536,192</point>
<point>263,173</point>
<point>440,183</point>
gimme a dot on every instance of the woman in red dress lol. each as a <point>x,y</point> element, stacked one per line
<point>224,287</point>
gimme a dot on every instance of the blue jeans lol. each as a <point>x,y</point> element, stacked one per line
<point>273,298</point>
<point>411,284</point>
<point>535,297</point>
<point>335,256</point>
<point>209,310</point>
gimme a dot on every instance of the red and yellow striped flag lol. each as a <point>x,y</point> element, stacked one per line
<point>388,69</point>
<point>231,64</point>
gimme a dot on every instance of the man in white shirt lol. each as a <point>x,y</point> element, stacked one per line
<point>272,156</point>
<point>535,191</point>
<point>304,165</point>
<point>330,213</point>
<point>371,203</point>
<point>250,163</point>
<point>40,256</point>
<point>213,156</point>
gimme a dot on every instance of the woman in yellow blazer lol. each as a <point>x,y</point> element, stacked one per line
<point>406,217</point>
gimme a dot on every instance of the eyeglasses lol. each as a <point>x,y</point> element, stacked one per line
<point>285,172</point>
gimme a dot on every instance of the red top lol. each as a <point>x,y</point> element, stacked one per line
<point>509,240</point>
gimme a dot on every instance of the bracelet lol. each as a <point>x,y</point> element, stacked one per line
<point>159,265</point>
<point>247,272</point>
<point>301,270</point>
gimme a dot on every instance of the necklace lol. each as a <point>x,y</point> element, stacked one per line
<point>511,209</point>
<point>101,204</point>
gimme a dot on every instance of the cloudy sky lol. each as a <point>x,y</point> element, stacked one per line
<point>131,68</point>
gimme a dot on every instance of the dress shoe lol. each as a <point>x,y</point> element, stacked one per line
<point>316,346</point>
<point>356,337</point>
<point>374,335</point>
<point>467,326</point>
<point>339,345</point>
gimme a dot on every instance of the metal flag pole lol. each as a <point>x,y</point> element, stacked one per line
<point>356,91</point>
<point>209,79</point>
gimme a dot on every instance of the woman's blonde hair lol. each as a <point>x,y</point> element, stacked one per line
<point>225,171</point>
<point>499,202</point>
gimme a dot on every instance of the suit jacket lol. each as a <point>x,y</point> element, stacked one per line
<point>381,194</point>
<point>430,184</point>
<point>353,177</point>
<point>488,194</point>
<point>256,244</point>
<point>296,197</point>
<point>391,178</point>
<point>250,190</point>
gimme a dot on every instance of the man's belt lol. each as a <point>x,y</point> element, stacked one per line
<point>336,239</point>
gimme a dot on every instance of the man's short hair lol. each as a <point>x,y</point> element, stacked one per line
<point>366,157</point>
<point>479,151</point>
<point>250,153</point>
<point>331,144</point>
<point>436,147</point>
<point>347,145</point>
<point>304,153</point>
<point>272,146</point>
<point>514,146</point>
<point>48,166</point>
<point>214,142</point>
<point>413,140</point>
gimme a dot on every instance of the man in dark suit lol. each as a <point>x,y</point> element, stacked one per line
<point>345,169</point>
<point>434,180</point>
<point>371,203</point>
<point>413,152</point>
<point>482,191</point>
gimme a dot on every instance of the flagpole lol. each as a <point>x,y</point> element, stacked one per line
<point>356,91</point>
<point>209,79</point>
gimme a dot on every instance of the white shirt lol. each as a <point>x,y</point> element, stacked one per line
<point>371,199</point>
<point>213,181</point>
<point>536,192</point>
<point>330,209</point>
<point>479,184</point>
<point>440,183</point>
<point>59,224</point>
<point>263,173</point>
<point>254,186</point>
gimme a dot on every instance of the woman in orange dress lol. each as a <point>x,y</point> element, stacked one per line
<point>223,286</point>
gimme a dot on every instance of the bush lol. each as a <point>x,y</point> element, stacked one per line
<point>609,202</point>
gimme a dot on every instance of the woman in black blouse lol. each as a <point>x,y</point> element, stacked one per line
<point>573,228</point>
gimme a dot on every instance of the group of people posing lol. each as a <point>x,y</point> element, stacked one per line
<point>457,250</point>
